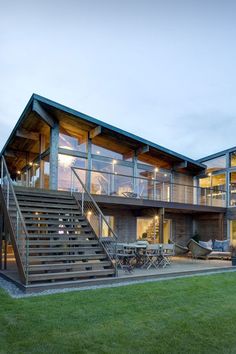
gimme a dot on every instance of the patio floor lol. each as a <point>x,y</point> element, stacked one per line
<point>180,266</point>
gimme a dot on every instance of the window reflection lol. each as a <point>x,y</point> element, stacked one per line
<point>75,139</point>
<point>218,163</point>
<point>65,162</point>
<point>233,159</point>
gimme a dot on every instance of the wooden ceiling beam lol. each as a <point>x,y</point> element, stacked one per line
<point>95,132</point>
<point>47,118</point>
<point>180,165</point>
<point>136,152</point>
<point>26,134</point>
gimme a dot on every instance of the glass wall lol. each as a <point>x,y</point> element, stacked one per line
<point>233,232</point>
<point>65,162</point>
<point>232,190</point>
<point>73,138</point>
<point>219,163</point>
<point>213,190</point>
<point>101,151</point>
<point>232,159</point>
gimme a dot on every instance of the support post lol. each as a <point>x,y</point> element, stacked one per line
<point>161,224</point>
<point>89,166</point>
<point>54,144</point>
<point>41,163</point>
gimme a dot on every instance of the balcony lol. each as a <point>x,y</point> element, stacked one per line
<point>118,185</point>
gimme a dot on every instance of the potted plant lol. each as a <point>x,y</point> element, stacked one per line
<point>233,254</point>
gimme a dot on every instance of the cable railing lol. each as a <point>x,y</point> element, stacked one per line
<point>113,184</point>
<point>16,217</point>
<point>95,216</point>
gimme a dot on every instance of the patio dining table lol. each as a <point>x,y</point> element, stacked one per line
<point>137,250</point>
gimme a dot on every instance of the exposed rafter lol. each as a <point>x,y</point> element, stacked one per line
<point>95,132</point>
<point>180,165</point>
<point>141,150</point>
<point>26,134</point>
<point>48,119</point>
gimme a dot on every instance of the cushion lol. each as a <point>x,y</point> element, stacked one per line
<point>222,246</point>
<point>207,244</point>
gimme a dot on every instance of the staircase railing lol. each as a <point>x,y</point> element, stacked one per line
<point>95,216</point>
<point>16,218</point>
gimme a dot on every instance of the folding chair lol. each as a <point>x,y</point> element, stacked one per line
<point>168,251</point>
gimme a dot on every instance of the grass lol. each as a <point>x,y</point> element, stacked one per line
<point>191,315</point>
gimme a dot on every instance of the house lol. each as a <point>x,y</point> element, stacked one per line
<point>70,181</point>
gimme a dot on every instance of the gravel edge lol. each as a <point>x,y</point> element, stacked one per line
<point>17,293</point>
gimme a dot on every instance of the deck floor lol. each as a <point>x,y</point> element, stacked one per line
<point>180,266</point>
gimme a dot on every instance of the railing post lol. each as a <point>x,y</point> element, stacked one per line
<point>17,226</point>
<point>71,181</point>
<point>100,226</point>
<point>27,261</point>
<point>82,201</point>
<point>7,195</point>
<point>2,171</point>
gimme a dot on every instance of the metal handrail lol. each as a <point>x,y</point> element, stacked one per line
<point>20,218</point>
<point>179,193</point>
<point>148,179</point>
<point>87,197</point>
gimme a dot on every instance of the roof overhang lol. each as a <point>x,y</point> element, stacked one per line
<point>49,112</point>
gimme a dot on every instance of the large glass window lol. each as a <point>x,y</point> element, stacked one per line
<point>65,162</point>
<point>73,139</point>
<point>101,151</point>
<point>216,164</point>
<point>106,177</point>
<point>233,232</point>
<point>213,189</point>
<point>106,231</point>
<point>233,188</point>
<point>233,159</point>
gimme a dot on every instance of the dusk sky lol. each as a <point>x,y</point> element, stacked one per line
<point>163,70</point>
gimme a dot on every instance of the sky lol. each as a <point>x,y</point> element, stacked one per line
<point>161,69</point>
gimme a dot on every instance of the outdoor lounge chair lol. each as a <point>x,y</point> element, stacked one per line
<point>197,250</point>
<point>180,250</point>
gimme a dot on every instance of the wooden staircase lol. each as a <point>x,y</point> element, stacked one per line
<point>62,245</point>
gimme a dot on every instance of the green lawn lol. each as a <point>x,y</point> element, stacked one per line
<point>191,315</point>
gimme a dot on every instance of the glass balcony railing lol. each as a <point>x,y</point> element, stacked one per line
<point>112,184</point>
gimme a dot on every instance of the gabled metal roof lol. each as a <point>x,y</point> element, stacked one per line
<point>95,121</point>
<point>217,154</point>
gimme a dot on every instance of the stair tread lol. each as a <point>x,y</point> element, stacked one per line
<point>60,275</point>
<point>62,242</point>
<point>55,222</point>
<point>41,209</point>
<point>67,257</point>
<point>48,205</point>
<point>68,265</point>
<point>45,200</point>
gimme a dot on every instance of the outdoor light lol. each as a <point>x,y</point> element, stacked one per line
<point>156,169</point>
<point>209,174</point>
<point>165,174</point>
<point>18,172</point>
<point>98,152</point>
<point>114,162</point>
<point>31,163</point>
<point>89,213</point>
